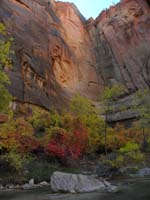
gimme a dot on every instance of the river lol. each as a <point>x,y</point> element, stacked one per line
<point>129,190</point>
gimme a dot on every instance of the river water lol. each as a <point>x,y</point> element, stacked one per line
<point>129,190</point>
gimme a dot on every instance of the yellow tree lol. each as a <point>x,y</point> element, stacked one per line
<point>109,97</point>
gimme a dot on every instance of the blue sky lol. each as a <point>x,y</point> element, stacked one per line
<point>92,8</point>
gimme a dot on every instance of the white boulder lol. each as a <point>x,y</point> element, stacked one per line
<point>144,172</point>
<point>31,182</point>
<point>79,183</point>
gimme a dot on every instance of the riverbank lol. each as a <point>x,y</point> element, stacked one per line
<point>130,189</point>
<point>39,171</point>
<point>129,178</point>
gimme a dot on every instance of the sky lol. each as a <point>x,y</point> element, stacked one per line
<point>92,8</point>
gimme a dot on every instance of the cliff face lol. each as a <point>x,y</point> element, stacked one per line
<point>53,58</point>
<point>121,39</point>
<point>58,53</point>
<point>117,33</point>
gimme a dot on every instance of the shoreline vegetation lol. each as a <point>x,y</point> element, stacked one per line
<point>42,142</point>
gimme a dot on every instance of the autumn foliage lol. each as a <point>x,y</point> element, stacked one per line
<point>65,136</point>
<point>17,135</point>
<point>68,145</point>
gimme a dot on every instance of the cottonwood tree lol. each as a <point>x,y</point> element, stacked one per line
<point>84,110</point>
<point>109,97</point>
<point>81,106</point>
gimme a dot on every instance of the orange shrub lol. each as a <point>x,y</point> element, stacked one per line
<point>17,135</point>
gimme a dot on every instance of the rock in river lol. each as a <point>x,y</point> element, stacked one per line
<point>144,172</point>
<point>79,183</point>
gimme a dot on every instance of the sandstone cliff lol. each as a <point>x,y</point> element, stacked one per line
<point>53,58</point>
<point>121,39</point>
<point>115,32</point>
<point>59,53</point>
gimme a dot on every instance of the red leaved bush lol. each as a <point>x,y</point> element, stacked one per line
<point>78,141</point>
<point>56,146</point>
<point>69,145</point>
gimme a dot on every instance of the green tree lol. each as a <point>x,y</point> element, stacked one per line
<point>131,151</point>
<point>109,97</point>
<point>81,106</point>
<point>5,60</point>
<point>128,154</point>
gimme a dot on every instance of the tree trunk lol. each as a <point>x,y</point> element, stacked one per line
<point>106,117</point>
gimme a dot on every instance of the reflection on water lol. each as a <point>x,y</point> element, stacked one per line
<point>140,190</point>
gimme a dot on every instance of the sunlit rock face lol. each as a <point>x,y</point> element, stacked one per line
<point>58,53</point>
<point>34,26</point>
<point>81,69</point>
<point>53,53</point>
